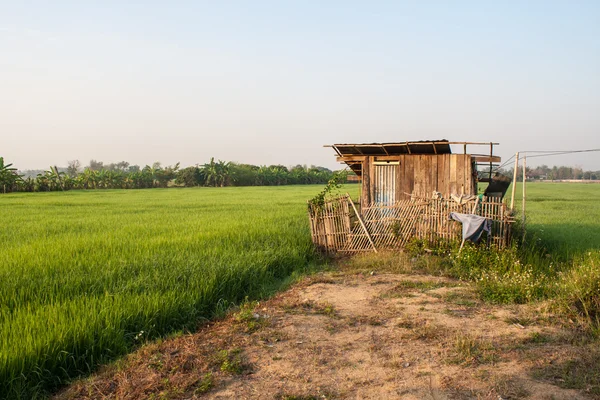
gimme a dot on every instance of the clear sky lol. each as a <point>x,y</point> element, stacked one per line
<point>270,82</point>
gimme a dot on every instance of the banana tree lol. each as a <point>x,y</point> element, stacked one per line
<point>26,185</point>
<point>8,176</point>
<point>211,173</point>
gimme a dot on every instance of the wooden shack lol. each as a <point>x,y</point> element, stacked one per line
<point>408,191</point>
<point>391,172</point>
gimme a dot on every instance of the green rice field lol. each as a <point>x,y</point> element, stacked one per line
<point>565,217</point>
<point>85,276</point>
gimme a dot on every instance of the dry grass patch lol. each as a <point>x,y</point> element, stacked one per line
<point>509,387</point>
<point>319,396</point>
<point>579,368</point>
<point>308,307</point>
<point>471,351</point>
<point>406,288</point>
<point>372,320</point>
<point>463,297</point>
<point>420,329</point>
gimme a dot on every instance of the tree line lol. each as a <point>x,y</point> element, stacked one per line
<point>544,172</point>
<point>122,175</point>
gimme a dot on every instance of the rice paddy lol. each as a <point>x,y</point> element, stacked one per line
<point>85,276</point>
<point>564,217</point>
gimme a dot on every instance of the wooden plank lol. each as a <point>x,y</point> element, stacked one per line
<point>422,176</point>
<point>443,161</point>
<point>372,178</point>
<point>452,186</point>
<point>365,199</point>
<point>460,173</point>
<point>400,179</point>
<point>473,170</point>
<point>409,174</point>
<point>434,174</point>
<point>418,181</point>
<point>467,174</point>
<point>427,188</point>
<point>486,159</point>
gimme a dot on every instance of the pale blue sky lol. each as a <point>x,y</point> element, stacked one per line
<point>268,82</point>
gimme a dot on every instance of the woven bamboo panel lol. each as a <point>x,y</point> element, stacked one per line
<point>330,224</point>
<point>335,226</point>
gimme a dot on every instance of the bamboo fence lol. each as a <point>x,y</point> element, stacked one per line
<point>337,226</point>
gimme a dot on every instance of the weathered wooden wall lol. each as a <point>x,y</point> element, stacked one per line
<point>421,175</point>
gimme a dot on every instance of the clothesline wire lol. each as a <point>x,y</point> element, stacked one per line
<point>557,153</point>
<point>505,163</point>
<point>546,153</point>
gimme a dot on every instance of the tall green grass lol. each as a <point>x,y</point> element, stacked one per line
<point>85,276</point>
<point>559,260</point>
<point>563,217</point>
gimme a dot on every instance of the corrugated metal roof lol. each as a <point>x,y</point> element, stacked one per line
<point>391,149</point>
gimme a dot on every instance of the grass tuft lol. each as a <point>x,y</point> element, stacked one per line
<point>470,351</point>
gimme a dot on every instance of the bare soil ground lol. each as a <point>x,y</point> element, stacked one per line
<point>348,335</point>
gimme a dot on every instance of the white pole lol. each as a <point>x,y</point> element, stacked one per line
<point>514,182</point>
<point>524,193</point>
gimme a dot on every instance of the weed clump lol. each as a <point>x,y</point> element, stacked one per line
<point>206,384</point>
<point>468,350</point>
<point>232,361</point>
<point>248,319</point>
<point>579,292</point>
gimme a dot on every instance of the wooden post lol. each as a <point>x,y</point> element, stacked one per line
<point>362,223</point>
<point>475,206</point>
<point>366,199</point>
<point>461,246</point>
<point>491,157</point>
<point>524,192</point>
<point>512,198</point>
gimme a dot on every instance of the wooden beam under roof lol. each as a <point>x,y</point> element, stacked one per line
<point>336,150</point>
<point>347,159</point>
<point>477,158</point>
<point>485,159</point>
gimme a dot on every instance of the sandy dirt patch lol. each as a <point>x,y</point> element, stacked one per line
<point>356,336</point>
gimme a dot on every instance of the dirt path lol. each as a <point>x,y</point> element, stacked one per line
<point>356,336</point>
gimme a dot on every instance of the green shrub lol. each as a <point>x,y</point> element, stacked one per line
<point>500,275</point>
<point>579,291</point>
<point>512,286</point>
